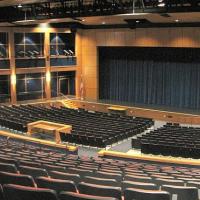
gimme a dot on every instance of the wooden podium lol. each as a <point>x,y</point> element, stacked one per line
<point>117,110</point>
<point>46,127</point>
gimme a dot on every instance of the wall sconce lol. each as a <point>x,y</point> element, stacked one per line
<point>13,79</point>
<point>48,76</point>
<point>44,26</point>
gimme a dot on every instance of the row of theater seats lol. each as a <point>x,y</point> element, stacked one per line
<point>74,177</point>
<point>18,192</point>
<point>88,128</point>
<point>172,140</point>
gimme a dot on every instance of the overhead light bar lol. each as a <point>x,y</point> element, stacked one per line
<point>25,21</point>
<point>132,14</point>
<point>161,3</point>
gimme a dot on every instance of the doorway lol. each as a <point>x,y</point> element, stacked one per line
<point>64,86</point>
<point>63,83</point>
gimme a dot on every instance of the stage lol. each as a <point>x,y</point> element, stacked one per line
<point>175,116</point>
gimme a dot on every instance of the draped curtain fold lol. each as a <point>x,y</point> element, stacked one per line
<point>157,76</point>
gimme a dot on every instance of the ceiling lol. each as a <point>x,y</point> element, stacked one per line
<point>120,19</point>
<point>154,18</point>
<point>4,3</point>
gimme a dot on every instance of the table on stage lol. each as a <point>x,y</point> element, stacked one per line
<point>117,110</point>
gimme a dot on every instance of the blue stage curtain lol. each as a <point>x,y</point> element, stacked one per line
<point>154,76</point>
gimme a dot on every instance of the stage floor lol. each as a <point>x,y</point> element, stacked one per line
<point>151,106</point>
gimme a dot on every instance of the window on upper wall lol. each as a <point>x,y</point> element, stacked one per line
<point>4,88</point>
<point>29,45</point>
<point>62,44</point>
<point>4,45</point>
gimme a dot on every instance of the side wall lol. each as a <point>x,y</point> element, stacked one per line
<point>154,37</point>
<point>47,69</point>
<point>87,42</point>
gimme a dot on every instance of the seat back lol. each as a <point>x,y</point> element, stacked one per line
<point>6,167</point>
<point>81,172</point>
<point>33,171</point>
<point>54,168</point>
<point>193,184</point>
<point>30,163</point>
<point>138,185</point>
<point>161,182</point>
<point>56,184</point>
<point>101,181</point>
<point>138,179</point>
<point>65,176</point>
<point>182,193</point>
<point>17,192</point>
<point>1,193</point>
<point>19,179</point>
<point>99,190</point>
<point>139,194</point>
<point>107,175</point>
<point>8,160</point>
<point>77,196</point>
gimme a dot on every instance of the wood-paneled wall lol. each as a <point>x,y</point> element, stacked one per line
<point>160,115</point>
<point>87,42</point>
<point>48,69</point>
<point>154,37</point>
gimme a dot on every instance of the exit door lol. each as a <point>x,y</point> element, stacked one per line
<point>64,86</point>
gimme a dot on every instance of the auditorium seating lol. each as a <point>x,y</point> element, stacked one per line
<point>35,172</point>
<point>17,192</point>
<point>182,193</point>
<point>100,190</point>
<point>140,194</point>
<point>101,181</point>
<point>1,193</point>
<point>138,185</point>
<point>56,184</point>
<point>77,196</point>
<point>14,178</point>
<point>88,128</point>
<point>172,140</point>
<point>66,176</point>
<point>5,167</point>
<point>110,178</point>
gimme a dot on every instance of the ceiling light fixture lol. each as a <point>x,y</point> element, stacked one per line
<point>19,6</point>
<point>25,21</point>
<point>161,3</point>
<point>132,14</point>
